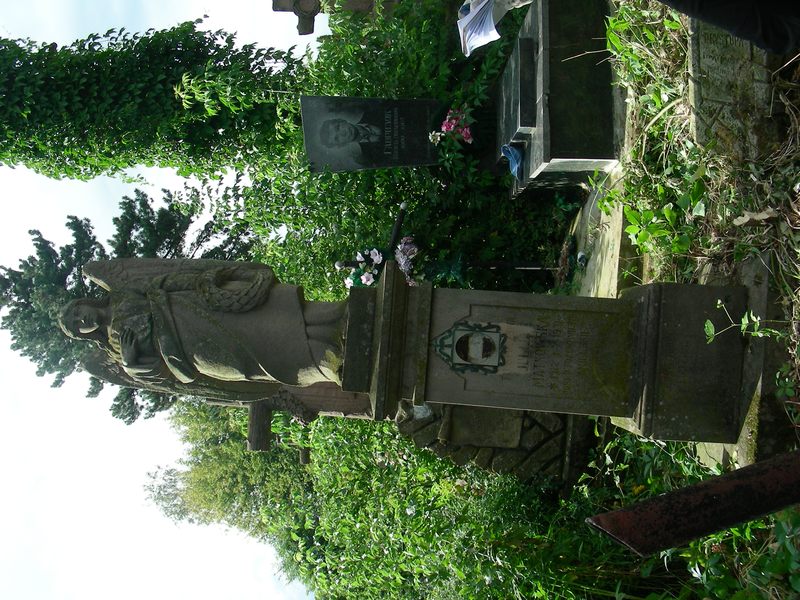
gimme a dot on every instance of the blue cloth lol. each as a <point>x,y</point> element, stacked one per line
<point>515,160</point>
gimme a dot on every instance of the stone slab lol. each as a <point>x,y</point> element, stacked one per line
<point>731,94</point>
<point>766,431</point>
<point>474,426</point>
<point>573,131</point>
<point>516,115</point>
<point>599,236</point>
<point>689,390</point>
<point>560,354</point>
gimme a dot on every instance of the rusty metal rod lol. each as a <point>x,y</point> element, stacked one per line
<point>675,518</point>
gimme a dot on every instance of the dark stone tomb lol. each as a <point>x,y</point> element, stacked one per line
<point>555,98</point>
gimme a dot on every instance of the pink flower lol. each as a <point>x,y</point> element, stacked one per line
<point>376,256</point>
<point>348,283</point>
<point>456,123</point>
<point>367,279</point>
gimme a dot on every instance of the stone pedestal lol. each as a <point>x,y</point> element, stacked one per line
<point>555,97</point>
<point>642,358</point>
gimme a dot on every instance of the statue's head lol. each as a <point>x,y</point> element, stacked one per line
<point>85,319</point>
<point>337,132</point>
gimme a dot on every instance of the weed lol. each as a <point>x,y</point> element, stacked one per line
<point>749,324</point>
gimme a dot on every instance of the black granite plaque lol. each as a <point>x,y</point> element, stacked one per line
<point>351,134</point>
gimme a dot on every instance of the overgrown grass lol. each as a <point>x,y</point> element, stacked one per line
<point>689,209</point>
<point>397,523</point>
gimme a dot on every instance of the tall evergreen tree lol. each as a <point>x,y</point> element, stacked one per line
<point>178,97</point>
<point>32,296</point>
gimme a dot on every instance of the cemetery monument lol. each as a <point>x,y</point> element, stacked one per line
<point>501,378</point>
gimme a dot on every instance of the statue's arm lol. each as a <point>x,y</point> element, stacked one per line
<point>136,361</point>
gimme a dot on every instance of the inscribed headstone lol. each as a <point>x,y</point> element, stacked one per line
<point>352,134</point>
<point>730,92</point>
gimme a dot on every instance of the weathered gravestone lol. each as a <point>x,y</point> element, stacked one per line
<point>555,97</point>
<point>733,105</point>
<point>643,357</point>
<point>502,379</point>
<point>231,333</point>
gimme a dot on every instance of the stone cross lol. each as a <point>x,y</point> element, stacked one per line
<point>306,10</point>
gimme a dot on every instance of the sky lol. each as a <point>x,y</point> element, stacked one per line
<point>75,522</point>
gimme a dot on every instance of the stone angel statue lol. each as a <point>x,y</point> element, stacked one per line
<point>216,329</point>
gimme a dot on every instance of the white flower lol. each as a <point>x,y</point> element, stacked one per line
<point>359,257</point>
<point>435,137</point>
<point>376,256</point>
<point>367,279</point>
<point>348,283</point>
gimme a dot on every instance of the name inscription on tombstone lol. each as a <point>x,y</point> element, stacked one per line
<point>730,92</point>
<point>578,360</point>
<point>352,134</point>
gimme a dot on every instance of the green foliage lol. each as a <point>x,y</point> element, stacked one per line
<point>786,386</point>
<point>409,54</point>
<point>664,192</point>
<point>225,482</point>
<point>413,526</point>
<point>268,495</point>
<point>372,517</point>
<point>754,560</point>
<point>306,222</point>
<point>142,231</point>
<point>33,294</point>
<point>760,559</point>
<point>748,325</point>
<point>108,102</point>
